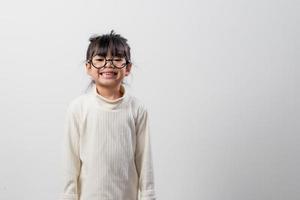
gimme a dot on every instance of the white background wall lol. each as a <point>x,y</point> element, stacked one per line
<point>220,78</point>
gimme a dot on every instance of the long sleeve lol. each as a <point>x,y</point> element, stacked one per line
<point>143,157</point>
<point>70,156</point>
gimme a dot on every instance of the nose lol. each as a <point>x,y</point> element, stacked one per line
<point>110,63</point>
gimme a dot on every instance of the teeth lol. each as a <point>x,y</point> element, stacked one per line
<point>108,73</point>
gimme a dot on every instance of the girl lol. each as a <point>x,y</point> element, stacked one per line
<point>106,148</point>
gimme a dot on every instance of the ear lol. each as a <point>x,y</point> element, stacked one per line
<point>128,69</point>
<point>88,68</point>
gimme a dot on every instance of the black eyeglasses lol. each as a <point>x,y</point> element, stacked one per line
<point>99,62</point>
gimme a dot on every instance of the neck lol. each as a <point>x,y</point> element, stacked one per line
<point>110,93</point>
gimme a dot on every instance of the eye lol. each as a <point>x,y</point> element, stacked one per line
<point>117,59</point>
<point>99,59</point>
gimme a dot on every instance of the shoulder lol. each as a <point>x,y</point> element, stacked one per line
<point>139,108</point>
<point>76,105</point>
<point>137,103</point>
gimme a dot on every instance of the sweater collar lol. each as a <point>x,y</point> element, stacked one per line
<point>108,103</point>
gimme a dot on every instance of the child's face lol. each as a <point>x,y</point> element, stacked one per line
<point>108,76</point>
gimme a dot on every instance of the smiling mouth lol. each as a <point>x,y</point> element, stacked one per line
<point>108,73</point>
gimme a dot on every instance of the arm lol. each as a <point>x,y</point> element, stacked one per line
<point>70,155</point>
<point>143,157</point>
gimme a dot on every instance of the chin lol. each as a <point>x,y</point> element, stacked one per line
<point>108,83</point>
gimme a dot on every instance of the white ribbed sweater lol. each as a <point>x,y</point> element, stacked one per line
<point>106,149</point>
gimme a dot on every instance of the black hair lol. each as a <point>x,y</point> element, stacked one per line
<point>112,43</point>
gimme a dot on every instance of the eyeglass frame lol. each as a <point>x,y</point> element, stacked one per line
<point>111,61</point>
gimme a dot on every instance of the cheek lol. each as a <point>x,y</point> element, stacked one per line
<point>94,73</point>
<point>122,72</point>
